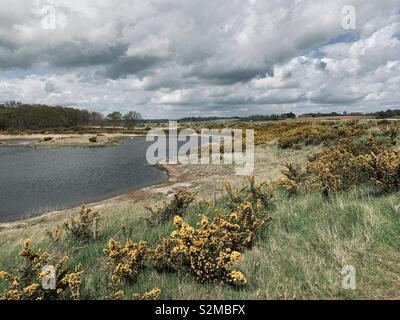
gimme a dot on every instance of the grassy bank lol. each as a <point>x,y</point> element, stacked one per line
<point>300,254</point>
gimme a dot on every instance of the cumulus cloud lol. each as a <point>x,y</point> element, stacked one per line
<point>173,58</point>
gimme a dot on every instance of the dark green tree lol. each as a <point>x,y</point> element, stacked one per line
<point>115,117</point>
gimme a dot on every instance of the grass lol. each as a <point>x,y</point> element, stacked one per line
<point>300,255</point>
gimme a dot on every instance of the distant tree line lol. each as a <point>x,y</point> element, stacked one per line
<point>129,120</point>
<point>18,116</point>
<point>378,115</point>
<point>33,117</point>
<point>387,114</point>
<point>271,117</point>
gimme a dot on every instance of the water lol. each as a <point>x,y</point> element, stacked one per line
<point>37,180</point>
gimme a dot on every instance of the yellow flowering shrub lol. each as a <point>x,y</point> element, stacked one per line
<point>26,282</point>
<point>318,133</point>
<point>201,251</point>
<point>384,169</point>
<point>121,295</point>
<point>294,179</point>
<point>294,134</point>
<point>151,295</point>
<point>203,204</point>
<point>211,249</point>
<point>349,165</point>
<point>126,260</point>
<point>177,206</point>
<point>55,235</point>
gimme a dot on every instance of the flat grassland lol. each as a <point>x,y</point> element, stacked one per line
<point>332,200</point>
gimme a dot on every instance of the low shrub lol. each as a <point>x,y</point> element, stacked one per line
<point>151,295</point>
<point>176,207</point>
<point>260,194</point>
<point>350,164</point>
<point>26,282</point>
<point>82,229</point>
<point>390,131</point>
<point>85,227</point>
<point>294,179</point>
<point>201,252</point>
<point>55,236</point>
<point>211,250</point>
<point>126,260</point>
<point>318,133</point>
<point>384,169</point>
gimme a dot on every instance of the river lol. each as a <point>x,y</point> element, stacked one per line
<point>38,180</point>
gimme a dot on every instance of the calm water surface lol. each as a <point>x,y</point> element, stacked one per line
<point>36,180</point>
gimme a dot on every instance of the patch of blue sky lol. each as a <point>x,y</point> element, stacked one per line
<point>23,73</point>
<point>347,37</point>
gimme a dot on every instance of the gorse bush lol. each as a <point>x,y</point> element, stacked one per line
<point>317,133</point>
<point>384,169</point>
<point>151,295</point>
<point>176,207</point>
<point>199,251</point>
<point>390,131</point>
<point>349,165</point>
<point>82,229</point>
<point>55,235</point>
<point>26,282</point>
<point>211,250</point>
<point>259,195</point>
<point>126,260</point>
<point>294,134</point>
<point>294,179</point>
<point>335,170</point>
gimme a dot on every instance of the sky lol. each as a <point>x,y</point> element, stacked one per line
<point>179,58</point>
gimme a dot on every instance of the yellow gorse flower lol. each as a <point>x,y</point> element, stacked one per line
<point>211,250</point>
<point>127,262</point>
<point>151,295</point>
<point>68,284</point>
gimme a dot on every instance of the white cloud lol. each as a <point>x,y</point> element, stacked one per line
<point>172,58</point>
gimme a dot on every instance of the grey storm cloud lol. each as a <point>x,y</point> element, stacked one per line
<point>232,76</point>
<point>167,58</point>
<point>81,54</point>
<point>50,87</point>
<point>126,66</point>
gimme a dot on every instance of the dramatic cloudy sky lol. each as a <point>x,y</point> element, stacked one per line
<point>175,58</point>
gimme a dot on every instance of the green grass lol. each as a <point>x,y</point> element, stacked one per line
<point>299,256</point>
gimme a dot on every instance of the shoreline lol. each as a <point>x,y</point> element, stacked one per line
<point>207,181</point>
